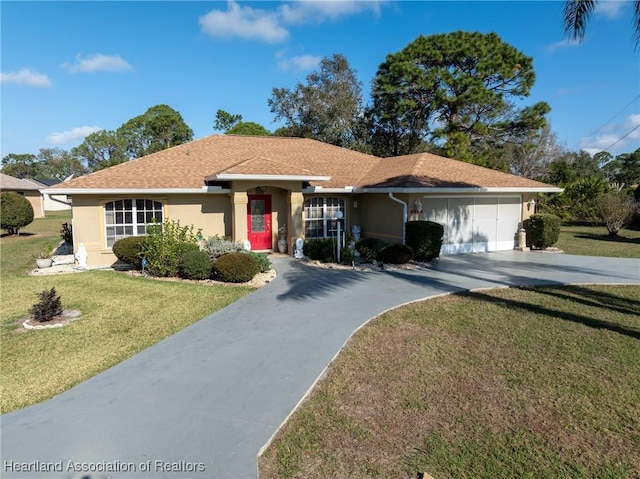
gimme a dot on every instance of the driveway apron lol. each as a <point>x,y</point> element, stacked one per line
<point>204,401</point>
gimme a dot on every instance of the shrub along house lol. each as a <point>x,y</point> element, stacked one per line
<point>249,187</point>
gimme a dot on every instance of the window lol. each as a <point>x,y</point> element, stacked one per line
<point>319,214</point>
<point>129,218</point>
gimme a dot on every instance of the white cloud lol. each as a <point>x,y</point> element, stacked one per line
<point>318,11</point>
<point>78,133</point>
<point>299,63</point>
<point>270,26</point>
<point>98,63</point>
<point>244,22</point>
<point>617,134</point>
<point>26,77</point>
<point>610,8</point>
<point>567,43</point>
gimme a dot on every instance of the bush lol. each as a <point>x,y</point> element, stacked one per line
<point>15,212</point>
<point>129,250</point>
<point>217,246</point>
<point>396,254</point>
<point>320,249</point>
<point>48,306</point>
<point>616,210</point>
<point>424,238</point>
<point>66,233</point>
<point>236,267</point>
<point>543,230</point>
<point>369,249</point>
<point>195,265</point>
<point>263,261</point>
<point>164,246</point>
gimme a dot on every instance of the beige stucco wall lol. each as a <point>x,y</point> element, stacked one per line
<point>381,217</point>
<point>211,213</point>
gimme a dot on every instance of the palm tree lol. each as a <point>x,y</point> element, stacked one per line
<point>576,14</point>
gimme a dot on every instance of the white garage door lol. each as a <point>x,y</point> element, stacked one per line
<point>475,223</point>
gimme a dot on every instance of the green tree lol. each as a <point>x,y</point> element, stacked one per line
<point>15,212</point>
<point>21,165</point>
<point>59,163</point>
<point>624,169</point>
<point>458,90</point>
<point>576,15</point>
<point>225,121</point>
<point>327,107</point>
<point>101,149</point>
<point>248,128</point>
<point>160,127</point>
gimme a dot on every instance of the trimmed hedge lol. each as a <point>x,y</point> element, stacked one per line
<point>129,250</point>
<point>15,212</point>
<point>263,261</point>
<point>424,238</point>
<point>195,265</point>
<point>320,249</point>
<point>236,267</point>
<point>396,254</point>
<point>543,230</point>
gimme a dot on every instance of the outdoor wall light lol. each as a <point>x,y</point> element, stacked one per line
<point>531,205</point>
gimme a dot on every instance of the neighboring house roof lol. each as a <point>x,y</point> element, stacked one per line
<point>48,181</point>
<point>10,183</point>
<point>230,157</point>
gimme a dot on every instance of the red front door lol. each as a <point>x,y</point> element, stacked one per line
<point>259,221</point>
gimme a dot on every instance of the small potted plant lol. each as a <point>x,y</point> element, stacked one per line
<point>43,257</point>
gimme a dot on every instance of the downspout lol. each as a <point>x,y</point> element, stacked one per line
<point>405,215</point>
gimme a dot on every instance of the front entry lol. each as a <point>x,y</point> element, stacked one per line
<point>259,221</point>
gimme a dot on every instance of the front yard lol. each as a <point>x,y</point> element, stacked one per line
<point>594,241</point>
<point>120,316</point>
<point>539,382</point>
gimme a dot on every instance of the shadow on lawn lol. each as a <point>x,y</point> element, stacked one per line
<point>612,239</point>
<point>594,299</point>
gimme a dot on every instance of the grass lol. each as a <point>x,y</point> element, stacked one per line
<point>594,241</point>
<point>538,382</point>
<point>120,316</point>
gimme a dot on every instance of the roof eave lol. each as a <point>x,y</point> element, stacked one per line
<point>136,191</point>
<point>466,189</point>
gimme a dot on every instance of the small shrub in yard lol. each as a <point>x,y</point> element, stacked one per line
<point>15,212</point>
<point>66,233</point>
<point>616,209</point>
<point>48,306</point>
<point>129,250</point>
<point>195,265</point>
<point>320,249</point>
<point>217,246</point>
<point>396,254</point>
<point>236,267</point>
<point>424,238</point>
<point>165,244</point>
<point>263,261</point>
<point>543,230</point>
<point>372,244</point>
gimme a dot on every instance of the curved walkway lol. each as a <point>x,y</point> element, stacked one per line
<point>210,396</point>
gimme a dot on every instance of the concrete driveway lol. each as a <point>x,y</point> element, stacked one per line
<point>204,401</point>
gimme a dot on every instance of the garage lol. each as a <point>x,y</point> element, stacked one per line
<point>474,224</point>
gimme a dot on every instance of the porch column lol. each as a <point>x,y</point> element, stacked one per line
<point>239,201</point>
<point>295,228</point>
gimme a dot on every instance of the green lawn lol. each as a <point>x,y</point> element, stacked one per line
<point>120,316</point>
<point>594,241</point>
<point>539,383</point>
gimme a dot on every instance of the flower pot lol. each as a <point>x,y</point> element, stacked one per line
<point>44,262</point>
<point>282,245</point>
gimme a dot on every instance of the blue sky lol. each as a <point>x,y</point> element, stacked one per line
<point>70,68</point>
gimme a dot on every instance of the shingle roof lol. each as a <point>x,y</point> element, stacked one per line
<point>188,165</point>
<point>432,171</point>
<point>16,184</point>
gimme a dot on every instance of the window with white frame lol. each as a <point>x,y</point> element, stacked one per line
<point>124,218</point>
<point>319,216</point>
